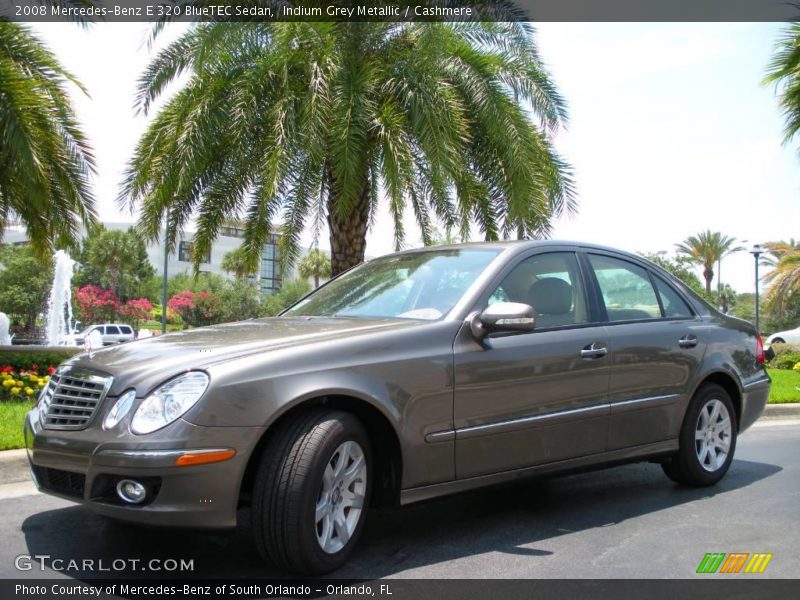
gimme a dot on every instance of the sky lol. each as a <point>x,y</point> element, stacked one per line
<point>670,130</point>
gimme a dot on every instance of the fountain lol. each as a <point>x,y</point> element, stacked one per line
<point>5,338</point>
<point>58,320</point>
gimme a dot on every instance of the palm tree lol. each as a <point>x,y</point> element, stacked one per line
<point>237,262</point>
<point>775,251</point>
<point>312,121</point>
<point>706,249</point>
<point>783,280</point>
<point>45,160</point>
<point>784,72</point>
<point>315,264</point>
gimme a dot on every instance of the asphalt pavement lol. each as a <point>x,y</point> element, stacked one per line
<point>625,522</point>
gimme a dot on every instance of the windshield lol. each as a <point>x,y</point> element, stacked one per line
<point>419,285</point>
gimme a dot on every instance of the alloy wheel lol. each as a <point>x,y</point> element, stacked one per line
<point>341,497</point>
<point>713,435</point>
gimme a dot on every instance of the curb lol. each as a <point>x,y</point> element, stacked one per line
<point>789,410</point>
<point>14,463</point>
<point>14,466</point>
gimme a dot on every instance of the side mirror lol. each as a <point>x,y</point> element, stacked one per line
<point>503,316</point>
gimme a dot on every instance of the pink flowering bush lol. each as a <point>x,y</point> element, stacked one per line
<point>196,309</point>
<point>136,310</point>
<point>96,305</point>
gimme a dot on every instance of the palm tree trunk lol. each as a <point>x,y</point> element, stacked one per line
<point>348,233</point>
<point>708,274</point>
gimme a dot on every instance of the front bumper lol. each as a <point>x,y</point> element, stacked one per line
<point>85,465</point>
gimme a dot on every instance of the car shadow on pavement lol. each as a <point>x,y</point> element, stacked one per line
<point>518,519</point>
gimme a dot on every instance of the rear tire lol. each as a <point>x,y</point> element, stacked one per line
<point>312,491</point>
<point>707,439</point>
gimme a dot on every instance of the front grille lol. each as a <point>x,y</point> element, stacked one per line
<point>66,483</point>
<point>71,398</point>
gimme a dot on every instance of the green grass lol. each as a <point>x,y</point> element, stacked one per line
<point>785,386</point>
<point>12,415</point>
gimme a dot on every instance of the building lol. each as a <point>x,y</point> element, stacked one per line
<point>230,238</point>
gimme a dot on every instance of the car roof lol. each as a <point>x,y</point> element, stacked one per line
<point>519,245</point>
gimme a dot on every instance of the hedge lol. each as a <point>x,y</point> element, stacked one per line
<point>24,357</point>
<point>786,356</point>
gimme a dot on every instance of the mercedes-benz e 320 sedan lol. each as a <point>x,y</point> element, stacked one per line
<point>411,376</point>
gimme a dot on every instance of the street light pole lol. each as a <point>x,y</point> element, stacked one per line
<point>164,278</point>
<point>756,252</point>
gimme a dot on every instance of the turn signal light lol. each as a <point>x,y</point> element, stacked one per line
<point>202,458</point>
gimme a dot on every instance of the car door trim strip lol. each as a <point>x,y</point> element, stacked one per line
<point>522,423</point>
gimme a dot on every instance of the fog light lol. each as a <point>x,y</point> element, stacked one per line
<point>131,491</point>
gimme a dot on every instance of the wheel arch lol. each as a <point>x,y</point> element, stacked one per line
<point>386,449</point>
<point>729,383</point>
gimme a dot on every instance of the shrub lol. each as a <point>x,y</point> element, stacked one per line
<point>785,361</point>
<point>196,309</point>
<point>96,305</point>
<point>786,356</point>
<point>290,293</point>
<point>36,357</point>
<point>136,310</point>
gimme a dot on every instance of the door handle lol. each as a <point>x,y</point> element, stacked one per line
<point>594,351</point>
<point>688,341</point>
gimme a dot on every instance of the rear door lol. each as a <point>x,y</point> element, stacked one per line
<point>656,343</point>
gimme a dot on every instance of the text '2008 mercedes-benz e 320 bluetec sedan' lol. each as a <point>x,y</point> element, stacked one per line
<point>411,376</point>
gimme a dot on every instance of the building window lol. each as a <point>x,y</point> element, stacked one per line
<point>269,274</point>
<point>185,253</point>
<point>232,232</point>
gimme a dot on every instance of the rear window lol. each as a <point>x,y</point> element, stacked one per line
<point>674,306</point>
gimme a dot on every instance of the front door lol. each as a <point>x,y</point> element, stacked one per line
<point>531,398</point>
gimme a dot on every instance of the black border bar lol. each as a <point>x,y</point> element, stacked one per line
<point>728,587</point>
<point>401,10</point>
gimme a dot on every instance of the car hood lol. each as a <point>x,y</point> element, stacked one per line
<point>198,348</point>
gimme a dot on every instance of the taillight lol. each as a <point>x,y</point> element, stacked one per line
<point>760,358</point>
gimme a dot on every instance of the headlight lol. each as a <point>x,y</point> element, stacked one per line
<point>169,402</point>
<point>120,409</point>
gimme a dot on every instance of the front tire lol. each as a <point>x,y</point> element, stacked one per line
<point>311,491</point>
<point>707,439</point>
<point>778,341</point>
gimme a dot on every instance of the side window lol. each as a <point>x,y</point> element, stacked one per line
<point>675,307</point>
<point>125,329</point>
<point>112,330</point>
<point>551,283</point>
<point>626,289</point>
